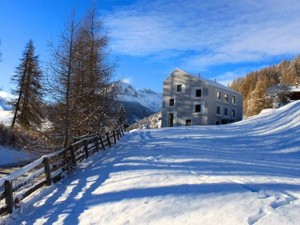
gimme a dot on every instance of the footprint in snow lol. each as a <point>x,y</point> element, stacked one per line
<point>255,218</point>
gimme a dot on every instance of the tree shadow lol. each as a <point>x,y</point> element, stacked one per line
<point>149,151</point>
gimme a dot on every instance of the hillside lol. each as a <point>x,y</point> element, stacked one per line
<point>268,86</point>
<point>151,122</point>
<point>242,173</point>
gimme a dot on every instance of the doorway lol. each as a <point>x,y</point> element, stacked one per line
<point>171,119</point>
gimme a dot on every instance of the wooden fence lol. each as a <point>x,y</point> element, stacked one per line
<point>50,168</point>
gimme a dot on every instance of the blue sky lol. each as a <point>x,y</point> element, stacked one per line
<point>219,39</point>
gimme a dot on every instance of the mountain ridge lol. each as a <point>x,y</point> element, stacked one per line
<point>138,103</point>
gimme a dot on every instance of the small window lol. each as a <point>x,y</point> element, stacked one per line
<point>233,113</point>
<point>179,88</point>
<point>225,112</point>
<point>197,108</point>
<point>218,110</point>
<point>188,122</point>
<point>226,97</point>
<point>218,95</point>
<point>171,102</point>
<point>199,93</point>
<point>233,100</point>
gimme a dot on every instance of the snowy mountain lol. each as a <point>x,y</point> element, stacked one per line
<point>5,109</point>
<point>242,173</point>
<point>4,98</point>
<point>138,103</point>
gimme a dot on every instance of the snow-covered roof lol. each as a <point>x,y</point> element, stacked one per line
<point>209,82</point>
<point>295,88</point>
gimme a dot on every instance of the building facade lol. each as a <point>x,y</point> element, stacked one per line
<point>190,100</point>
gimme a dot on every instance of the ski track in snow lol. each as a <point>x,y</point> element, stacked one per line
<point>243,173</point>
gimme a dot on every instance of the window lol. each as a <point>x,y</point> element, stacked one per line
<point>188,122</point>
<point>199,93</point>
<point>226,97</point>
<point>179,88</point>
<point>198,108</point>
<point>218,110</point>
<point>233,100</point>
<point>233,113</point>
<point>225,112</point>
<point>171,102</point>
<point>219,95</point>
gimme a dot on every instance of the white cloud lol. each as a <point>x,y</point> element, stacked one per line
<point>227,77</point>
<point>213,32</point>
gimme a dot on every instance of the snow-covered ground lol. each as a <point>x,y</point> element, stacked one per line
<point>242,173</point>
<point>11,156</point>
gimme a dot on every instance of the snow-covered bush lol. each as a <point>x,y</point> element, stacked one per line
<point>279,94</point>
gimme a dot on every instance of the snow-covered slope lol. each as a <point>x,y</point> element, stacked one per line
<point>10,156</point>
<point>244,173</point>
<point>150,122</point>
<point>145,97</point>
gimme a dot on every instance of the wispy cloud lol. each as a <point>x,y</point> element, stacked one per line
<point>227,77</point>
<point>213,32</point>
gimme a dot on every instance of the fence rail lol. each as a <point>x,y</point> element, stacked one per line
<point>50,168</point>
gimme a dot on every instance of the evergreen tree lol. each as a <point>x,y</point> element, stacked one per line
<point>28,112</point>
<point>121,120</point>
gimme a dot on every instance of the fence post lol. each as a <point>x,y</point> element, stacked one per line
<point>9,200</point>
<point>72,155</point>
<point>118,133</point>
<point>103,146</point>
<point>122,131</point>
<point>108,140</point>
<point>97,143</point>
<point>47,168</point>
<point>114,133</point>
<point>85,148</point>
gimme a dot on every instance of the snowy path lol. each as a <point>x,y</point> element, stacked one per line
<point>245,173</point>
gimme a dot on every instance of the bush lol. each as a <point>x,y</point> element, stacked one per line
<point>22,139</point>
<point>8,137</point>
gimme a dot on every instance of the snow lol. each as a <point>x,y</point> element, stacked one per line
<point>242,173</point>
<point>210,82</point>
<point>5,109</point>
<point>295,88</point>
<point>5,117</point>
<point>11,156</point>
<point>145,97</point>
